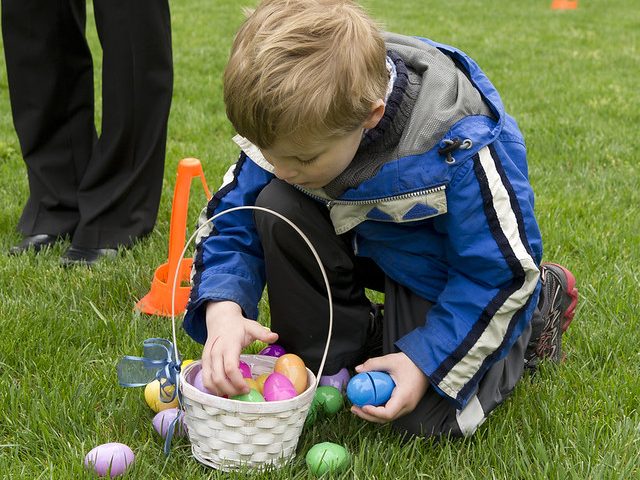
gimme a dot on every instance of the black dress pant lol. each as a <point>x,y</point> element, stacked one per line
<point>299,310</point>
<point>102,189</point>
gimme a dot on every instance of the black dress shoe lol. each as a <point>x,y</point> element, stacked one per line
<point>35,243</point>
<point>85,256</point>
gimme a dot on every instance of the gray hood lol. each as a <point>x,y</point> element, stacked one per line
<point>446,95</point>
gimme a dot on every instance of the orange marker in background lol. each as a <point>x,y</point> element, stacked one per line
<point>564,4</point>
<point>158,300</point>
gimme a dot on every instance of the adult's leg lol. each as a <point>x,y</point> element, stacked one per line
<point>50,76</point>
<point>435,416</point>
<point>120,191</point>
<point>297,294</point>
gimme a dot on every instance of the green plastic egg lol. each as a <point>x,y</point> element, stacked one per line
<point>329,398</point>
<point>327,457</point>
<point>252,396</point>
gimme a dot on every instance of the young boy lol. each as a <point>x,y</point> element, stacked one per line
<point>396,158</point>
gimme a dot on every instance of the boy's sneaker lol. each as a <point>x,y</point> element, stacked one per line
<point>557,304</point>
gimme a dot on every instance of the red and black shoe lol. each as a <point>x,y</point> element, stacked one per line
<point>557,304</point>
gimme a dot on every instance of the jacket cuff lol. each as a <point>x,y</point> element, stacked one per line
<point>195,323</point>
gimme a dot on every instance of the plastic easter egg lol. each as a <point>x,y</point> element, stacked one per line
<point>157,398</point>
<point>292,367</point>
<point>252,396</point>
<point>339,380</point>
<point>260,381</point>
<point>163,419</point>
<point>245,369</point>
<point>197,382</point>
<point>110,459</point>
<point>327,457</point>
<point>370,388</point>
<point>273,350</point>
<point>278,387</point>
<point>185,363</point>
<point>252,384</point>
<point>329,399</point>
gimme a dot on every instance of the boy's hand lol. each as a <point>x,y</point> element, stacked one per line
<point>228,332</point>
<point>411,385</point>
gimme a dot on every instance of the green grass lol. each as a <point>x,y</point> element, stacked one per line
<point>571,80</point>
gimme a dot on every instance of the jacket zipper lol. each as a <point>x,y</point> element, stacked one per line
<point>330,203</point>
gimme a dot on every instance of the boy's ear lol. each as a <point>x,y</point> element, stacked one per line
<point>377,112</point>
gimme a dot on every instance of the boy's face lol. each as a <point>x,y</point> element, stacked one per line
<point>313,167</point>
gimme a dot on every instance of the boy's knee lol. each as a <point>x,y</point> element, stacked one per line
<point>434,417</point>
<point>284,199</point>
<point>411,427</point>
<point>278,196</point>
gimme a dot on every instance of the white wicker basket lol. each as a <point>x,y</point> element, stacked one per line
<point>230,434</point>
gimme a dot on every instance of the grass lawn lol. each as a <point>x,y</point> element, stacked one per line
<point>570,79</point>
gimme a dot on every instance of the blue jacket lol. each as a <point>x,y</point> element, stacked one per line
<point>457,229</point>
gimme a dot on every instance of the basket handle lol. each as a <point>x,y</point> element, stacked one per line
<point>302,235</point>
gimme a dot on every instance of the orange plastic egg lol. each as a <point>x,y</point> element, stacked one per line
<point>292,367</point>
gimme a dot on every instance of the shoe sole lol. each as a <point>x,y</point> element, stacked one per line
<point>572,291</point>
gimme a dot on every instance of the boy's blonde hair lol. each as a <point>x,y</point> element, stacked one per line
<point>304,71</point>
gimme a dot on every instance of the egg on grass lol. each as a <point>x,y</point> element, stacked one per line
<point>158,398</point>
<point>110,459</point>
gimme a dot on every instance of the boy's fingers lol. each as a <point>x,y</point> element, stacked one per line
<point>232,372</point>
<point>375,363</point>
<point>382,413</point>
<point>262,333</point>
<point>210,377</point>
<point>360,412</point>
<point>388,412</point>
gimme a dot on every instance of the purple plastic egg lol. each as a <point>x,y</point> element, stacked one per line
<point>245,369</point>
<point>163,419</point>
<point>197,382</point>
<point>339,380</point>
<point>273,350</point>
<point>109,459</point>
<point>278,387</point>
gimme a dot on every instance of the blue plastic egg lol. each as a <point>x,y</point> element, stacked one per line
<point>370,388</point>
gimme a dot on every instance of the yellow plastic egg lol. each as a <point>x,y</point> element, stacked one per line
<point>154,396</point>
<point>260,381</point>
<point>252,384</point>
<point>292,367</point>
<point>186,362</point>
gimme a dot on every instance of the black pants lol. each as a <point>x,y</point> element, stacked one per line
<point>103,190</point>
<point>299,310</point>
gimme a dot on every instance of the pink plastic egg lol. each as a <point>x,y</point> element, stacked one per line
<point>197,382</point>
<point>245,369</point>
<point>109,459</point>
<point>163,419</point>
<point>278,387</point>
<point>292,367</point>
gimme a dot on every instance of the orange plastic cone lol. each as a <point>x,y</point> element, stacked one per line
<point>158,300</point>
<point>564,4</point>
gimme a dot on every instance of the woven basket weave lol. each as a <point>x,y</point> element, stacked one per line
<point>229,434</point>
